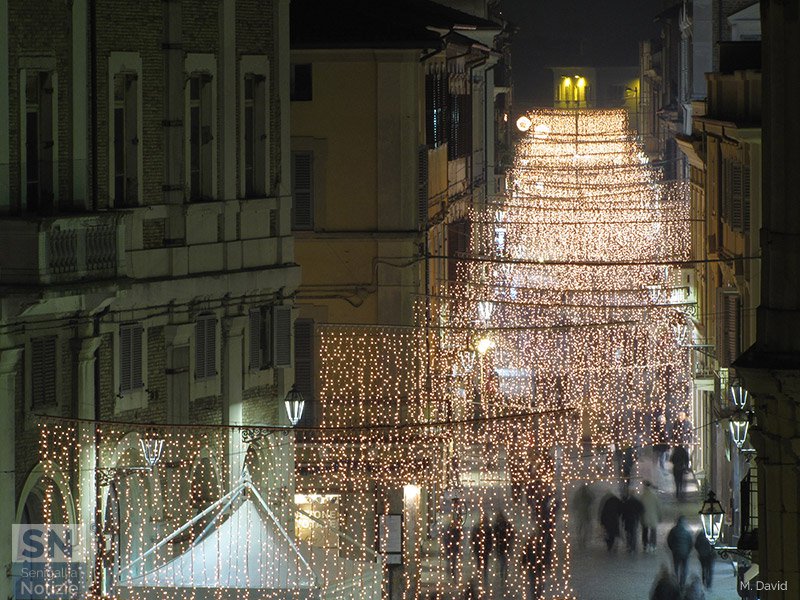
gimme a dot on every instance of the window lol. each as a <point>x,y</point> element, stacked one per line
<point>38,124</point>
<point>43,371</point>
<point>458,234</point>
<point>130,358</point>
<point>303,190</point>
<point>300,83</point>
<point>205,349</point>
<point>459,136</point>
<point>261,342</point>
<point>200,137</point>
<point>254,134</point>
<point>126,139</point>
<point>436,91</point>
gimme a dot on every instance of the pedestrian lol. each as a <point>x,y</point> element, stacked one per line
<point>682,431</point>
<point>650,517</point>
<point>679,540</point>
<point>531,562</point>
<point>582,511</point>
<point>626,466</point>
<point>694,591</point>
<point>482,547</point>
<point>503,543</point>
<point>680,466</point>
<point>707,556</point>
<point>660,441</point>
<point>610,513</point>
<point>632,510</point>
<point>665,587</point>
<point>452,544</point>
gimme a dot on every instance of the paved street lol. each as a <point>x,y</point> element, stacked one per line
<point>600,575</point>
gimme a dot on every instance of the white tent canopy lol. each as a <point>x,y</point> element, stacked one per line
<point>244,552</point>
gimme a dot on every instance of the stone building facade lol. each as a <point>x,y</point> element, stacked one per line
<point>147,266</point>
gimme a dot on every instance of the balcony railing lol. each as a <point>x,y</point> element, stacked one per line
<point>61,249</point>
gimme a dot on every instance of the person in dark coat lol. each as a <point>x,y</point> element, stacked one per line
<point>452,544</point>
<point>582,513</point>
<point>707,556</point>
<point>531,562</point>
<point>680,544</point>
<point>610,513</point>
<point>694,591</point>
<point>665,587</point>
<point>482,546</point>
<point>680,466</point>
<point>503,543</point>
<point>632,511</point>
<point>660,441</point>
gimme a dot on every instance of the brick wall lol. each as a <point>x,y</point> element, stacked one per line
<point>260,405</point>
<point>41,27</point>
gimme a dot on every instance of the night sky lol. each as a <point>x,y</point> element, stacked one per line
<point>574,33</point>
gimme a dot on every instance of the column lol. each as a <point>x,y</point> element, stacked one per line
<point>233,409</point>
<point>87,458</point>
<point>9,364</point>
<point>412,533</point>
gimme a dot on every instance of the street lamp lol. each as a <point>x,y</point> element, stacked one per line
<point>739,395</point>
<point>152,448</point>
<point>711,516</point>
<point>739,423</point>
<point>483,345</point>
<point>294,403</point>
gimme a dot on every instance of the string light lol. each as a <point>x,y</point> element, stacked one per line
<point>560,331</point>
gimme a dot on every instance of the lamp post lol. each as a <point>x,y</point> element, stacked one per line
<point>294,403</point>
<point>711,514</point>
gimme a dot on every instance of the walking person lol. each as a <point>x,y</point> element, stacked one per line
<point>651,516</point>
<point>452,544</point>
<point>707,556</point>
<point>531,562</point>
<point>503,545</point>
<point>680,466</point>
<point>660,442</point>
<point>694,591</point>
<point>679,540</point>
<point>482,547</point>
<point>610,513</point>
<point>582,511</point>
<point>665,587</point>
<point>632,511</point>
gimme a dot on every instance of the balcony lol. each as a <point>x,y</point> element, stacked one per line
<point>61,249</point>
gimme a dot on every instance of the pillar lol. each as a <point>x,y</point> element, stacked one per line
<point>9,363</point>
<point>233,407</point>
<point>85,349</point>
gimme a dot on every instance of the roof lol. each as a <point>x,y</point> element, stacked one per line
<point>384,24</point>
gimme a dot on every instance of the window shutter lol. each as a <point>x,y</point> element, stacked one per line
<point>727,326</point>
<point>422,185</point>
<point>43,371</point>
<point>125,358</point>
<point>132,141</point>
<point>136,355</point>
<point>282,321</point>
<point>304,360</point>
<point>255,340</point>
<point>199,349</point>
<point>302,184</point>
<point>746,198</point>
<point>727,184</point>
<point>736,196</point>
<point>211,347</point>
